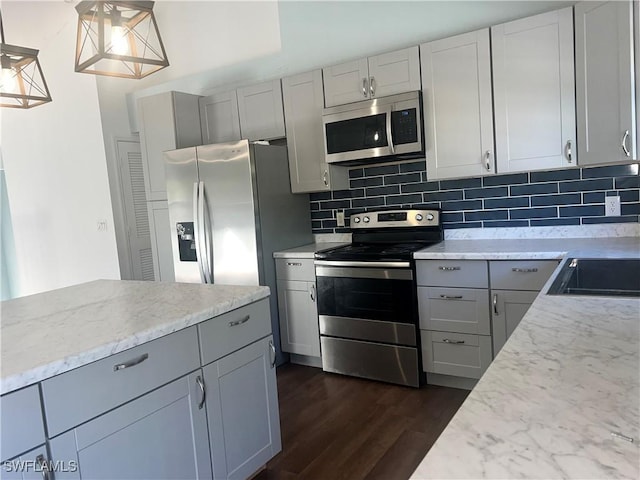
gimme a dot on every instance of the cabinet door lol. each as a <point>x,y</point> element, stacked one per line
<point>394,72</point>
<point>161,232</point>
<point>534,92</point>
<point>458,119</point>
<point>508,308</point>
<point>21,420</point>
<point>219,118</point>
<point>345,83</point>
<point>298,314</point>
<point>260,111</point>
<point>161,435</point>
<point>605,81</point>
<point>303,104</point>
<point>242,410</point>
<point>29,466</point>
<point>455,354</point>
<point>167,121</point>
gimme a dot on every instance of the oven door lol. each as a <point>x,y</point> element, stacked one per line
<point>368,303</point>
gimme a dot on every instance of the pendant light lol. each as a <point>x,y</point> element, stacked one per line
<point>118,39</point>
<point>22,84</point>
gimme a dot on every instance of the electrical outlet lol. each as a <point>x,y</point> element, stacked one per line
<point>612,206</point>
<point>340,218</point>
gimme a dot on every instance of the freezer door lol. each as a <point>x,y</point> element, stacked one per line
<point>228,176</point>
<point>182,178</point>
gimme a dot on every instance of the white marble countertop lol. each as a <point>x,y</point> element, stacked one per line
<point>307,251</point>
<point>50,333</point>
<point>566,379</point>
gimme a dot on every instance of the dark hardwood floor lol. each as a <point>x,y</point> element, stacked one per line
<point>337,427</point>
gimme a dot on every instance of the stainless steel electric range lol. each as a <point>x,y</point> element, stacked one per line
<point>367,296</point>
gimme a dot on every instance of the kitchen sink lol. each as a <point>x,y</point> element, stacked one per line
<point>619,277</point>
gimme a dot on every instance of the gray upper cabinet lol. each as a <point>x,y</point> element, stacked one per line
<point>376,76</point>
<point>458,109</point>
<point>303,104</point>
<point>219,118</point>
<point>167,121</point>
<point>534,92</point>
<point>253,112</point>
<point>605,81</point>
<point>260,111</point>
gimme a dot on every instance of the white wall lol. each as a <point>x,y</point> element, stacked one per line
<point>55,161</point>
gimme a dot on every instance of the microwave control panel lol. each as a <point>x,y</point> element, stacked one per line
<point>404,126</point>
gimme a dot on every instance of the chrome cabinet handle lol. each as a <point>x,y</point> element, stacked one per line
<point>44,466</point>
<point>294,264</point>
<point>325,178</point>
<point>454,342</point>
<point>624,143</point>
<point>312,292</point>
<point>239,322</point>
<point>495,304</point>
<point>451,297</point>
<point>203,389</point>
<point>524,270</point>
<point>272,353</point>
<point>372,86</point>
<point>448,269</point>
<point>364,87</point>
<point>487,159</point>
<point>131,363</point>
<point>569,151</point>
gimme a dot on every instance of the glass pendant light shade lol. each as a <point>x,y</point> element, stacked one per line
<point>118,39</point>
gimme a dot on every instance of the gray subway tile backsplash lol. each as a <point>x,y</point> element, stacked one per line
<point>557,197</point>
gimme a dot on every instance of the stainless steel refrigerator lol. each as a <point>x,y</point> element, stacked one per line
<point>230,208</point>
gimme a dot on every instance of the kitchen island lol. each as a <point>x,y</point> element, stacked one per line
<point>562,398</point>
<point>116,363</point>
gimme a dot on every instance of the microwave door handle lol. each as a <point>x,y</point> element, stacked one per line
<point>389,137</point>
<point>197,228</point>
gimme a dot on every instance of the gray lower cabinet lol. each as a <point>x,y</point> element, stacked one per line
<point>508,308</point>
<point>298,314</point>
<point>242,410</point>
<point>161,435</point>
<point>31,465</point>
<point>21,420</point>
<point>455,354</point>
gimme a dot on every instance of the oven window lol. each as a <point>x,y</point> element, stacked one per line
<point>371,299</point>
<point>357,134</point>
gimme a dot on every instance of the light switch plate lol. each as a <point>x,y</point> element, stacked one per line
<point>612,206</point>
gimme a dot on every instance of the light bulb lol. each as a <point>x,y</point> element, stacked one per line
<point>119,42</point>
<point>8,81</point>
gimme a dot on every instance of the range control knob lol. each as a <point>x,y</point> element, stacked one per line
<point>356,219</point>
<point>430,217</point>
<point>419,217</point>
<point>365,219</point>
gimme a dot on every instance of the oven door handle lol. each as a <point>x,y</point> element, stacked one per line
<point>339,263</point>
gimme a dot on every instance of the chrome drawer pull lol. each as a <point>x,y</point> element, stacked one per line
<point>239,322</point>
<point>200,383</point>
<point>131,363</point>
<point>524,270</point>
<point>294,264</point>
<point>451,297</point>
<point>454,342</point>
<point>449,269</point>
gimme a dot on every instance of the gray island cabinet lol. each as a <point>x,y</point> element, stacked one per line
<point>200,402</point>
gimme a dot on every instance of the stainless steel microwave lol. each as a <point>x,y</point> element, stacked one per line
<point>383,127</point>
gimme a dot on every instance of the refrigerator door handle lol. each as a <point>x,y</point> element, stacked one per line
<point>197,228</point>
<point>207,230</point>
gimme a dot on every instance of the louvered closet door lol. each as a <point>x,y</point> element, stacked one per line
<point>135,206</point>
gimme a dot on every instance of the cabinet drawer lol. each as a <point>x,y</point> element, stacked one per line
<point>22,427</point>
<point>521,274</point>
<point>455,353</point>
<point>301,269</point>
<point>234,330</point>
<point>462,310</point>
<point>453,273</point>
<point>81,394</point>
